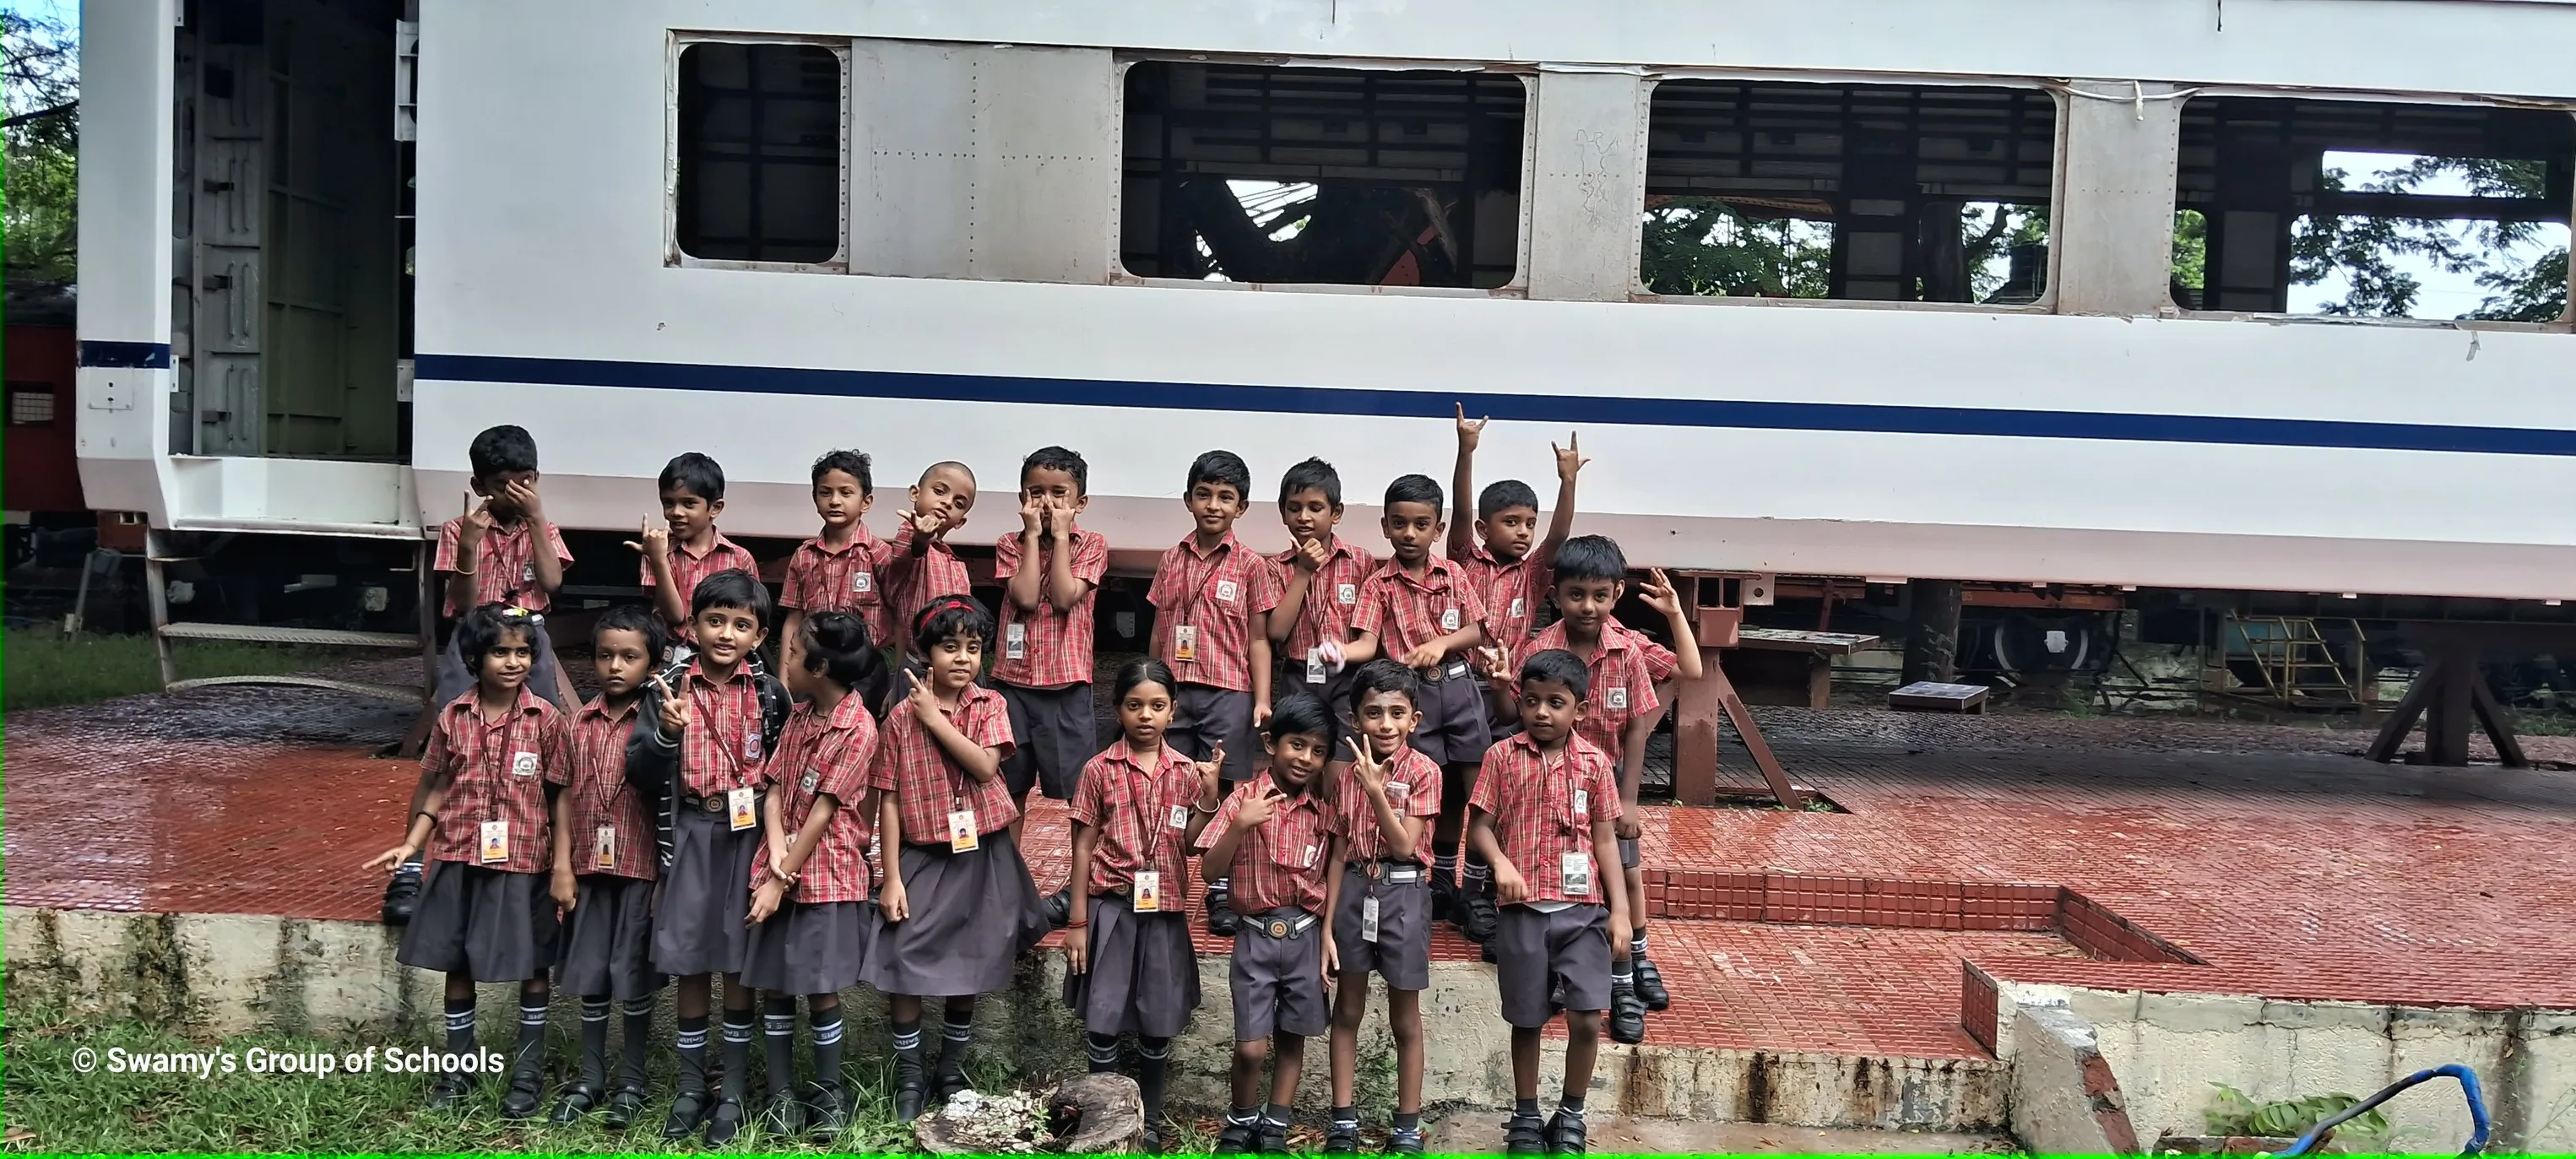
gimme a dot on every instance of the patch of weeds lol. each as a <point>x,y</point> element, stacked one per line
<point>45,668</point>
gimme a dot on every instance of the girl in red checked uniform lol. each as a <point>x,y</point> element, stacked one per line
<point>811,917</point>
<point>958,908</point>
<point>480,814</point>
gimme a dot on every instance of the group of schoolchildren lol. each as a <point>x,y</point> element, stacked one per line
<point>847,811</point>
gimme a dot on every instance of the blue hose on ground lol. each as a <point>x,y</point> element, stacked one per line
<point>2468,1086</point>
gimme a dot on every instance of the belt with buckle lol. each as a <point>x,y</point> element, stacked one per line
<point>1444,671</point>
<point>1282,928</point>
<point>1391,870</point>
<point>690,804</point>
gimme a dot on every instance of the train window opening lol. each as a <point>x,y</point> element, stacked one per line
<point>2373,209</point>
<point>760,153</point>
<point>1246,173</point>
<point>1857,192</point>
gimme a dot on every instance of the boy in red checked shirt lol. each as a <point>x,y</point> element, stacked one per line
<point>687,548</point>
<point>1269,837</point>
<point>1543,814</point>
<point>605,867</point>
<point>1379,893</point>
<point>480,814</point>
<point>812,922</point>
<point>921,568</point>
<point>837,570</point>
<point>1129,967</point>
<point>1419,611</point>
<point>1630,675</point>
<point>1213,598</point>
<point>1506,571</point>
<point>1050,571</point>
<point>1319,586</point>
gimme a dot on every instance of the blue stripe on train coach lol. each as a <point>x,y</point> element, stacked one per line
<point>1551,409</point>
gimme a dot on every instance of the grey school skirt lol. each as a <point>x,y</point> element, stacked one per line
<point>1143,976</point>
<point>702,925</point>
<point>973,915</point>
<point>811,948</point>
<point>487,924</point>
<point>608,940</point>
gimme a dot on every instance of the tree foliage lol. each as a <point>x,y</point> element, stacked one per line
<point>40,65</point>
<point>2366,249</point>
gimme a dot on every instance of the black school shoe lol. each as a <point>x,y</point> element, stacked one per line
<point>724,1123</point>
<point>1524,1135</point>
<point>1477,917</point>
<point>576,1101</point>
<point>1401,1141</point>
<point>784,1115</point>
<point>1220,911</point>
<point>1233,1139</point>
<point>1564,1135</point>
<point>1650,986</point>
<point>450,1091</point>
<point>1270,1138</point>
<point>688,1113</point>
<point>829,1115</point>
<point>911,1085</point>
<point>625,1105</point>
<point>1341,1140</point>
<point>1059,907</point>
<point>523,1098</point>
<point>401,894</point>
<point>1627,1015</point>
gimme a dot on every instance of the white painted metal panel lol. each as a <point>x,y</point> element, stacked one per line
<point>982,161</point>
<point>2114,209</point>
<point>1586,182</point>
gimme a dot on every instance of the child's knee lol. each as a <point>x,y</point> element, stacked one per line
<point>1583,1023</point>
<point>1251,1052</point>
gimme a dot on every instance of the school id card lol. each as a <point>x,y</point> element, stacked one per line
<point>963,835</point>
<point>743,808</point>
<point>1148,893</point>
<point>496,841</point>
<point>1185,644</point>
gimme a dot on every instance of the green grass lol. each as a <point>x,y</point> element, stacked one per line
<point>53,1107</point>
<point>45,668</point>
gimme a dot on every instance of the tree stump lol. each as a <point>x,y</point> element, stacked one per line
<point>1088,1114</point>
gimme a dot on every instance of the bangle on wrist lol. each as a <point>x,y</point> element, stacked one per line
<point>1077,925</point>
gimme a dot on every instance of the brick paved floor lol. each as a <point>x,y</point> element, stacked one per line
<point>2283,866</point>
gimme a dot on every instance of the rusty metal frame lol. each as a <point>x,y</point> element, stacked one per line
<point>1699,704</point>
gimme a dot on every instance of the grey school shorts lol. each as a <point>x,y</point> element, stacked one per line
<point>1278,983</point>
<point>1402,952</point>
<point>1546,962</point>
<point>1454,716</point>
<point>1204,716</point>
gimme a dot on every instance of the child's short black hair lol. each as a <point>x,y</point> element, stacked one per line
<point>962,469</point>
<point>1414,489</point>
<point>1590,557</point>
<point>501,450</point>
<point>1312,475</point>
<point>1058,459</point>
<point>1142,670</point>
<point>481,630</point>
<point>731,588</point>
<point>638,619</point>
<point>1300,714</point>
<point>851,463</point>
<point>696,474</point>
<point>1558,666</point>
<point>951,616</point>
<point>1221,467</point>
<point>1504,494</point>
<point>1384,675</point>
<point>837,648</point>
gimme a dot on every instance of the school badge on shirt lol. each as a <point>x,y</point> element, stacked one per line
<point>813,777</point>
<point>1226,590</point>
<point>1618,698</point>
<point>1347,594</point>
<point>523,764</point>
<point>863,583</point>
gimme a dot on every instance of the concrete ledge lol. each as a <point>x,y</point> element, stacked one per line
<point>2065,1099</point>
<point>2167,1048</point>
<point>225,974</point>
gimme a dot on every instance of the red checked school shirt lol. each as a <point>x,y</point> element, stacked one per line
<point>1332,595</point>
<point>721,750</point>
<point>1543,809</point>
<point>820,579</point>
<point>1510,591</point>
<point>688,568</point>
<point>820,754</point>
<point>607,813</point>
<point>1143,818</point>
<point>505,564</point>
<point>1049,648</point>
<point>914,581</point>
<point>1215,593</point>
<point>1407,613</point>
<point>1412,787</point>
<point>1281,863</point>
<point>927,785</point>
<point>1625,670</point>
<point>497,771</point>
